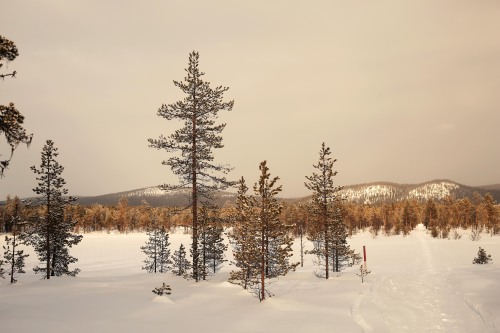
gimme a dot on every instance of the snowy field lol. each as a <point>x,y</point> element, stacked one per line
<point>417,284</point>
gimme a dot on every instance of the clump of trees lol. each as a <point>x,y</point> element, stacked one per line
<point>441,217</point>
<point>156,248</point>
<point>211,245</point>
<point>262,243</point>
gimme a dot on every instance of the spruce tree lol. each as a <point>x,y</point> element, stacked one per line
<point>327,231</point>
<point>51,235</point>
<point>195,142</point>
<point>180,263</point>
<point>11,120</point>
<point>156,248</point>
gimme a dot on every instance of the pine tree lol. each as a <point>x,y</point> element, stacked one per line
<point>274,237</point>
<point>180,263</point>
<point>327,230</point>
<point>14,258</point>
<point>156,248</point>
<point>262,243</point>
<point>11,120</point>
<point>482,257</point>
<point>244,241</point>
<point>51,235</point>
<point>195,141</point>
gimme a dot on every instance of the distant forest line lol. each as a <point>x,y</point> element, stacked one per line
<point>480,213</point>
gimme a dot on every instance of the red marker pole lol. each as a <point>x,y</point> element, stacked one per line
<point>364,256</point>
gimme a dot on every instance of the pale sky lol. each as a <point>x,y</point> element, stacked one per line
<point>402,91</point>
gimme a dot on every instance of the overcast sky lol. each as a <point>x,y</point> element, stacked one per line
<point>402,91</point>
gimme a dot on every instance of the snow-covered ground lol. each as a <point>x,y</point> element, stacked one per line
<point>417,284</point>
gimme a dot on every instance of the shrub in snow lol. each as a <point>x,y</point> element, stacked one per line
<point>482,257</point>
<point>363,272</point>
<point>163,290</point>
<point>475,234</point>
<point>354,258</point>
<point>455,234</point>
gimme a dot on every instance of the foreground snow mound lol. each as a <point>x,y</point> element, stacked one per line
<point>162,299</point>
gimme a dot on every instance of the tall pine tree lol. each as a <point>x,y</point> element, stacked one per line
<point>195,142</point>
<point>51,235</point>
<point>327,230</point>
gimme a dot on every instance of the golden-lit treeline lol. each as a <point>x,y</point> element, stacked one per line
<point>439,216</point>
<point>123,217</point>
<point>479,213</point>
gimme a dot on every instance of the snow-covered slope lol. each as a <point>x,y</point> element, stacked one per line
<point>153,196</point>
<point>373,193</point>
<point>390,192</point>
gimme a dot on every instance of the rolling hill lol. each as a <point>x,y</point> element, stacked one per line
<point>372,193</point>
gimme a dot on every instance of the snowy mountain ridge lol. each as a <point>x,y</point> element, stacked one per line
<point>391,192</point>
<point>372,193</point>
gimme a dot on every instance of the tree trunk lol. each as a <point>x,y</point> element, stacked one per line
<point>194,200</point>
<point>262,265</point>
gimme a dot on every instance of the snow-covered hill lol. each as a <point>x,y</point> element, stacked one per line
<point>154,196</point>
<point>390,192</point>
<point>373,193</point>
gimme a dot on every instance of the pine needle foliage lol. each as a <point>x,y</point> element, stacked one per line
<point>51,234</point>
<point>163,290</point>
<point>11,120</point>
<point>195,142</point>
<point>327,230</point>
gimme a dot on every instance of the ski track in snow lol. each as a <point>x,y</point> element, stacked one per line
<point>416,300</point>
